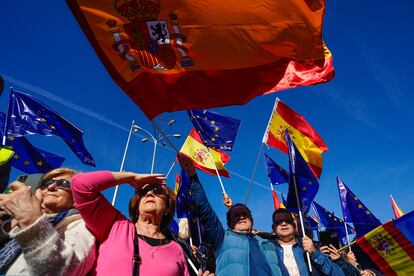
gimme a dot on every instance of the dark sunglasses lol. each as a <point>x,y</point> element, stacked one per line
<point>61,183</point>
<point>284,218</point>
<point>156,190</point>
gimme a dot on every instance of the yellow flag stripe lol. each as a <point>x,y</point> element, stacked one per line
<point>310,152</point>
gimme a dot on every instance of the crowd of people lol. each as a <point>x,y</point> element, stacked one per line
<point>63,225</point>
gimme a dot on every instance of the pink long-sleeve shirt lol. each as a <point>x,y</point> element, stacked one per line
<point>115,233</point>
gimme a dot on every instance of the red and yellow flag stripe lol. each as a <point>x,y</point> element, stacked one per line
<point>194,148</point>
<point>307,140</point>
<point>389,249</point>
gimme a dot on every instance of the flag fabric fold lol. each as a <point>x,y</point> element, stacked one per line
<point>276,202</point>
<point>332,223</point>
<point>355,212</point>
<point>28,158</point>
<point>391,246</point>
<point>276,174</point>
<point>183,199</point>
<point>27,116</point>
<point>307,140</point>
<point>159,53</point>
<point>397,211</point>
<point>216,131</point>
<point>194,148</point>
<point>300,175</point>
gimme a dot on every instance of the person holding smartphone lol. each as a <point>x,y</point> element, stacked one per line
<point>47,236</point>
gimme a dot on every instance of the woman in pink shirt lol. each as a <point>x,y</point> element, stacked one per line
<point>130,247</point>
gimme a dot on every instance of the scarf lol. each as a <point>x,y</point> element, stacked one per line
<point>11,249</point>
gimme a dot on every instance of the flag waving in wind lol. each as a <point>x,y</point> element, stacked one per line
<point>194,148</point>
<point>175,55</point>
<point>300,175</point>
<point>309,143</point>
<point>27,157</point>
<point>275,173</point>
<point>332,223</point>
<point>216,130</point>
<point>27,116</point>
<point>397,211</point>
<point>354,211</point>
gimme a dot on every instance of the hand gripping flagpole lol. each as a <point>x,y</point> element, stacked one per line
<point>254,173</point>
<point>123,160</point>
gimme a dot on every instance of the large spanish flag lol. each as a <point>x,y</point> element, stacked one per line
<point>391,246</point>
<point>194,148</point>
<point>189,54</point>
<point>307,140</point>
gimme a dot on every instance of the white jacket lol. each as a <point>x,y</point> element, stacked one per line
<point>67,249</point>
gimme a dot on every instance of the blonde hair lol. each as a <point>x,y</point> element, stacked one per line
<point>169,212</point>
<point>58,172</point>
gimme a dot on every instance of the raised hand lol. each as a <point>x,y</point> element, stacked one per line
<point>308,245</point>
<point>21,204</point>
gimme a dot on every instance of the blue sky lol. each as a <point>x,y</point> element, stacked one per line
<point>364,114</point>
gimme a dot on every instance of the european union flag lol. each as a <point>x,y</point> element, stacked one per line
<point>183,199</point>
<point>300,175</point>
<point>354,211</point>
<point>28,158</point>
<point>216,130</point>
<point>332,223</point>
<point>29,116</point>
<point>275,173</point>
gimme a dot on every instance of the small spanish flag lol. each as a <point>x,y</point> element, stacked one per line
<point>309,143</point>
<point>391,246</point>
<point>194,148</point>
<point>276,202</point>
<point>397,211</point>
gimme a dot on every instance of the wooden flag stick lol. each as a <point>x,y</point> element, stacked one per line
<point>347,246</point>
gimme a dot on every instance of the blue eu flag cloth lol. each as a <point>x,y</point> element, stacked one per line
<point>355,211</point>
<point>29,116</point>
<point>217,131</point>
<point>28,158</point>
<point>332,223</point>
<point>183,199</point>
<point>276,174</point>
<point>300,175</point>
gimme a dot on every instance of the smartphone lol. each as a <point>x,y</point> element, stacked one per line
<point>335,240</point>
<point>324,238</point>
<point>32,180</point>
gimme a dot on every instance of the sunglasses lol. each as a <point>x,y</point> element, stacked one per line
<point>156,190</point>
<point>284,218</point>
<point>60,183</point>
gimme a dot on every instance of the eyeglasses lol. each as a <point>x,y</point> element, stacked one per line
<point>156,190</point>
<point>60,183</point>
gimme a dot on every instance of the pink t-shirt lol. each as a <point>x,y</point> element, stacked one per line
<point>115,233</point>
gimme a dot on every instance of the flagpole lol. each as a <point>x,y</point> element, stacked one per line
<point>254,173</point>
<point>301,219</point>
<point>346,228</point>
<point>215,167</point>
<point>123,161</point>
<point>169,171</point>
<point>347,235</point>
<point>6,120</point>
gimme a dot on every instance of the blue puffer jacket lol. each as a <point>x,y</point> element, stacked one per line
<point>232,249</point>
<point>321,264</point>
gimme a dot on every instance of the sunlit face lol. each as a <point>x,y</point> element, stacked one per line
<point>285,231</point>
<point>56,198</point>
<point>241,220</point>
<point>152,200</point>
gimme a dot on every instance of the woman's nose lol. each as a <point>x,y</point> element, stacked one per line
<point>52,187</point>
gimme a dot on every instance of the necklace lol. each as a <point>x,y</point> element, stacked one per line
<point>156,247</point>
